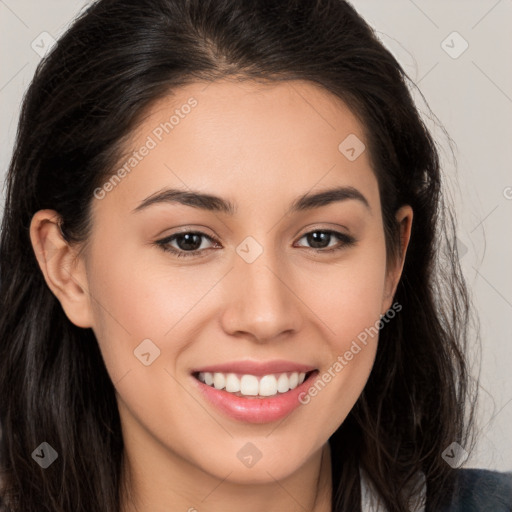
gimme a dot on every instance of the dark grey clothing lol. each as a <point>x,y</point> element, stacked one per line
<point>480,490</point>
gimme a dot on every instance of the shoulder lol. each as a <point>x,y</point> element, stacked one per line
<point>481,490</point>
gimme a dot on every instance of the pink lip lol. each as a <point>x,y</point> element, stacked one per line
<point>255,410</point>
<point>256,368</point>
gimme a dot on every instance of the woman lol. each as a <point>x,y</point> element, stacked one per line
<point>219,273</point>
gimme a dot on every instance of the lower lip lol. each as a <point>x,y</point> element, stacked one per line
<point>255,410</point>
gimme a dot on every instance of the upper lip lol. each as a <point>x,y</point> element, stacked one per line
<point>258,368</point>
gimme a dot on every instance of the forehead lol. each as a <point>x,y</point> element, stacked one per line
<point>279,114</point>
<point>245,140</point>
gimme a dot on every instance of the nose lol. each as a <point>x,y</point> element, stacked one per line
<point>262,300</point>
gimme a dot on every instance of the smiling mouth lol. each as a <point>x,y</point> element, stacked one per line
<point>254,386</point>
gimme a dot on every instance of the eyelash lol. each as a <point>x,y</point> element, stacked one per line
<point>347,241</point>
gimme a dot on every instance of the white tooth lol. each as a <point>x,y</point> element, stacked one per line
<point>219,381</point>
<point>294,380</point>
<point>232,383</point>
<point>283,383</point>
<point>249,385</point>
<point>268,385</point>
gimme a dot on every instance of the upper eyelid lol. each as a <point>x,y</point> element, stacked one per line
<point>171,238</point>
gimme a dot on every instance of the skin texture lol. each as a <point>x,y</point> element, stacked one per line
<point>261,147</point>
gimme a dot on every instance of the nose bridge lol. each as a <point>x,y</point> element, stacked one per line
<point>261,301</point>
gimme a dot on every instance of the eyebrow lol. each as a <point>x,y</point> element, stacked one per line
<point>214,203</point>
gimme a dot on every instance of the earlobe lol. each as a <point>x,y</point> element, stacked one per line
<point>63,272</point>
<point>404,217</point>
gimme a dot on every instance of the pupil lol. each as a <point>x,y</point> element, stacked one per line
<point>318,238</point>
<point>192,241</point>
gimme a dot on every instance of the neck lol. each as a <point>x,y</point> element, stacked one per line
<point>153,485</point>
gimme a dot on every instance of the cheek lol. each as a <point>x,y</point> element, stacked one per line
<point>138,291</point>
<point>350,319</point>
<point>138,297</point>
<point>131,304</point>
<point>347,296</point>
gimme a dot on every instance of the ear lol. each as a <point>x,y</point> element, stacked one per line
<point>404,218</point>
<point>63,271</point>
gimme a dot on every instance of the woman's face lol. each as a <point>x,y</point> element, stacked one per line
<point>279,282</point>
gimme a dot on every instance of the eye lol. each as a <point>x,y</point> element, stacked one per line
<point>320,240</point>
<point>189,243</point>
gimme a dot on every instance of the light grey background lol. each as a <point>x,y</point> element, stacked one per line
<point>470,92</point>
